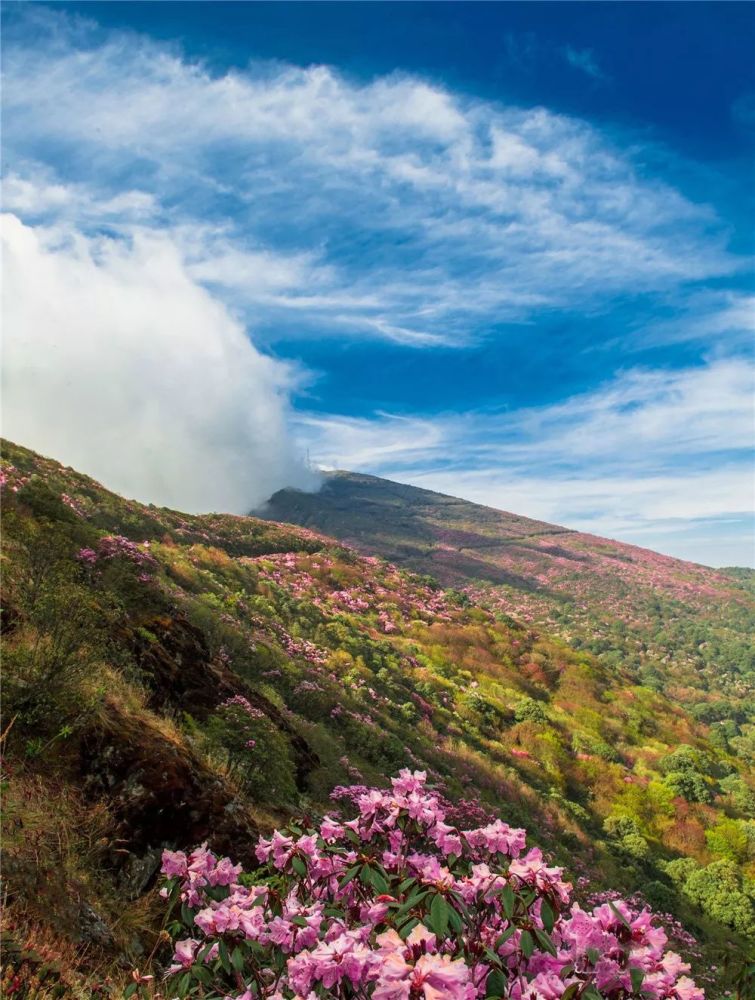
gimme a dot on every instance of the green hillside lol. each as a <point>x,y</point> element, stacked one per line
<point>678,627</point>
<point>173,679</point>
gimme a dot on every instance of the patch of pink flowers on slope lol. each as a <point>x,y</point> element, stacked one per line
<point>117,546</point>
<point>398,904</point>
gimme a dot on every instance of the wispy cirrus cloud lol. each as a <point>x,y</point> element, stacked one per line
<point>423,215</point>
<point>585,61</point>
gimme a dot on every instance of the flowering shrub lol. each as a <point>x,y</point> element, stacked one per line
<point>114,546</point>
<point>397,904</point>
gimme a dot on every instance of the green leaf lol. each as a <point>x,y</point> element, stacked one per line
<point>570,992</point>
<point>494,959</point>
<point>237,959</point>
<point>376,880</point>
<point>461,906</point>
<point>225,959</point>
<point>350,875</point>
<point>503,938</point>
<point>547,916</point>
<point>591,993</point>
<point>457,924</point>
<point>408,927</point>
<point>526,943</point>
<point>129,991</point>
<point>638,977</point>
<point>412,901</point>
<point>202,974</point>
<point>544,941</point>
<point>620,915</point>
<point>439,915</point>
<point>495,985</point>
<point>507,901</point>
<point>406,884</point>
<point>299,866</point>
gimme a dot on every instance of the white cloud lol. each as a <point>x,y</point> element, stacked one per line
<point>650,416</point>
<point>722,319</point>
<point>392,195</point>
<point>117,362</point>
<point>35,193</point>
<point>362,444</point>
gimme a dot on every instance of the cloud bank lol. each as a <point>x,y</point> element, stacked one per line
<point>117,362</point>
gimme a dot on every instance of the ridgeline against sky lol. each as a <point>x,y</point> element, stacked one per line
<point>502,251</point>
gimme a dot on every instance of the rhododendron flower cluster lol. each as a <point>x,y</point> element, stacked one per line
<point>114,546</point>
<point>350,600</point>
<point>74,505</point>
<point>395,903</point>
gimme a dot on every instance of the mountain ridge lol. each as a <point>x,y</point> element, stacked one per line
<point>682,626</point>
<point>451,500</point>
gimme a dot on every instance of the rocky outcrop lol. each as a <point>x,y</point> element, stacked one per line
<point>160,794</point>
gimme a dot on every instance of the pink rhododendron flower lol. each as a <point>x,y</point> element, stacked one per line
<point>396,903</point>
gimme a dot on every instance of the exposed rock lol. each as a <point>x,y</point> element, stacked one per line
<point>138,872</point>
<point>92,928</point>
<point>160,793</point>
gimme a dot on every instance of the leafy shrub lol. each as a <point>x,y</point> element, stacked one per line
<point>687,760</point>
<point>595,746</point>
<point>721,891</point>
<point>258,753</point>
<point>627,836</point>
<point>728,839</point>
<point>397,904</point>
<point>65,623</point>
<point>529,710</point>
<point>689,785</point>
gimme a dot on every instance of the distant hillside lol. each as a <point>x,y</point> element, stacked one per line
<point>682,627</point>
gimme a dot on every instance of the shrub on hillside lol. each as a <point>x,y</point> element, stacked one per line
<point>720,890</point>
<point>529,710</point>
<point>257,752</point>
<point>627,836</point>
<point>397,904</point>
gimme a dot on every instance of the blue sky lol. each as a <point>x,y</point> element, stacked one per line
<point>499,250</point>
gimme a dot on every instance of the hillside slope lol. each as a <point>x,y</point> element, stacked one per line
<point>680,627</point>
<point>171,679</point>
